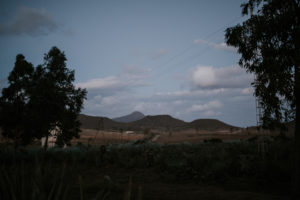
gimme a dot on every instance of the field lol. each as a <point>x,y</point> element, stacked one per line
<point>94,137</point>
<point>112,165</point>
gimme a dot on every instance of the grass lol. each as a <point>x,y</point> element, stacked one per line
<point>128,171</point>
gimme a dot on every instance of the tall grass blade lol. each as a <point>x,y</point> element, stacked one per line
<point>140,193</point>
<point>58,193</point>
<point>127,195</point>
<point>3,185</point>
<point>65,195</point>
<point>80,187</point>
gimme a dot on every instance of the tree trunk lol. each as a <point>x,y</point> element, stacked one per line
<point>46,143</point>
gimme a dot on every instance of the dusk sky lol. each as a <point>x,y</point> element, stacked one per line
<point>156,57</point>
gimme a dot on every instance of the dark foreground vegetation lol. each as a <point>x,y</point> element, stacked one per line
<point>136,170</point>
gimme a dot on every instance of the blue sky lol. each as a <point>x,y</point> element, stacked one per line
<point>157,57</point>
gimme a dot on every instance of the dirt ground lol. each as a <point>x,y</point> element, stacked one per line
<point>94,137</point>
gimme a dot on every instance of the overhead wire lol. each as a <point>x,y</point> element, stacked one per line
<point>166,65</point>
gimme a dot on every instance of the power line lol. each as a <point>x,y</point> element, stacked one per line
<point>193,45</point>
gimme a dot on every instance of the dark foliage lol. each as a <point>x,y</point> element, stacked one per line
<point>14,113</point>
<point>269,45</point>
<point>41,99</point>
<point>32,171</point>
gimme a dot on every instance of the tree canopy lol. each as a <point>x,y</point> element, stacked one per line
<point>14,101</point>
<point>41,99</point>
<point>269,45</point>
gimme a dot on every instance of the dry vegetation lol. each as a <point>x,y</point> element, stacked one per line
<point>95,137</point>
<point>193,136</point>
<point>146,169</point>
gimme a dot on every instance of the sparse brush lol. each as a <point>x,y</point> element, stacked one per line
<point>80,187</point>
<point>32,182</point>
<point>127,194</point>
<point>36,174</point>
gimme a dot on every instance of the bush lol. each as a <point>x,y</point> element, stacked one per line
<point>33,171</point>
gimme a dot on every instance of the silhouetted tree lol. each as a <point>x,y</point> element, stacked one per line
<point>269,45</point>
<point>38,101</point>
<point>58,101</point>
<point>13,103</point>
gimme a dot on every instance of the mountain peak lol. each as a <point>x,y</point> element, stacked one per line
<point>134,116</point>
<point>137,112</point>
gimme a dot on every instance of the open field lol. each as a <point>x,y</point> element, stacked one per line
<point>153,165</point>
<point>148,171</point>
<point>94,137</point>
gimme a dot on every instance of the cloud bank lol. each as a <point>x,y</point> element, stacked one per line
<point>206,106</point>
<point>208,77</point>
<point>219,46</point>
<point>211,93</point>
<point>128,79</point>
<point>29,21</point>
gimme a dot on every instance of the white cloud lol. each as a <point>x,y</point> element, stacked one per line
<point>127,79</point>
<point>207,77</point>
<point>100,83</point>
<point>190,94</point>
<point>247,91</point>
<point>218,46</point>
<point>186,105</point>
<point>204,76</point>
<point>116,95</point>
<point>110,101</point>
<point>30,21</point>
<point>109,106</point>
<point>223,46</point>
<point>210,106</point>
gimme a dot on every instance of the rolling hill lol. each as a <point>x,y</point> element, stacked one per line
<point>157,122</point>
<point>130,118</point>
<point>162,122</point>
<point>98,123</point>
<point>210,124</point>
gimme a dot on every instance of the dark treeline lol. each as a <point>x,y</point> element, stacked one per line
<point>40,99</point>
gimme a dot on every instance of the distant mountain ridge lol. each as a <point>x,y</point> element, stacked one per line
<point>165,122</point>
<point>136,115</point>
<point>210,124</point>
<point>98,123</point>
<point>157,122</point>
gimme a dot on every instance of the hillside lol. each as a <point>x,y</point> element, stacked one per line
<point>157,122</point>
<point>165,122</point>
<point>98,123</point>
<point>210,124</point>
<point>130,118</point>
